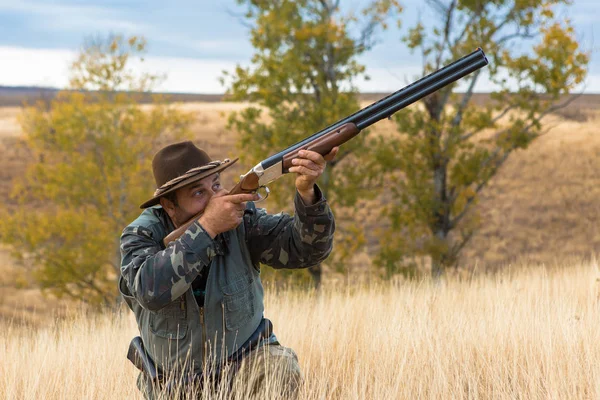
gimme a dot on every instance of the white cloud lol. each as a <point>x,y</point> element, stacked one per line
<point>592,83</point>
<point>185,75</point>
<point>226,47</point>
<point>50,67</point>
<point>87,23</point>
<point>34,67</point>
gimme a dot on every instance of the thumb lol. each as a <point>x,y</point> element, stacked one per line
<point>331,155</point>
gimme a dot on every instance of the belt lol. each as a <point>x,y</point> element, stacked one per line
<point>137,354</point>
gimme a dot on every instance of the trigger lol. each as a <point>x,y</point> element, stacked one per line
<point>266,193</point>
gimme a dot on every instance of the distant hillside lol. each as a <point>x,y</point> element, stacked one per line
<point>11,96</point>
<point>15,96</point>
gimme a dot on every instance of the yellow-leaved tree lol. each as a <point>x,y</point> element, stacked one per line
<point>302,79</point>
<point>448,150</point>
<point>91,149</point>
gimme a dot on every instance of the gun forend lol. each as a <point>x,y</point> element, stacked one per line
<point>259,177</point>
<point>323,144</point>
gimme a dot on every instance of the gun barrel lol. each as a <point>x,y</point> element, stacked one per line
<point>423,87</point>
<point>388,105</point>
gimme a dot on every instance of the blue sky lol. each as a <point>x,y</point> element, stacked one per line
<point>192,41</point>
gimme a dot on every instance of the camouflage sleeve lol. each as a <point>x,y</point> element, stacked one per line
<point>283,241</point>
<point>156,277</point>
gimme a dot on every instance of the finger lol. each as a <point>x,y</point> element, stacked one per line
<point>307,163</point>
<point>242,197</point>
<point>304,171</point>
<point>331,155</point>
<point>312,155</point>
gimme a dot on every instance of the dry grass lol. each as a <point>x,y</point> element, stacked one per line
<point>9,124</point>
<point>531,334</point>
<point>544,203</point>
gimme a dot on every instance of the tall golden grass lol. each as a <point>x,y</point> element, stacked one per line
<point>527,333</point>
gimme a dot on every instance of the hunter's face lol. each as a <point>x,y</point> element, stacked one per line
<point>192,199</point>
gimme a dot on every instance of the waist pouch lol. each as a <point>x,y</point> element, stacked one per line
<point>140,358</point>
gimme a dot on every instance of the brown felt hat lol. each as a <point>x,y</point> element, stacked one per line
<point>180,164</point>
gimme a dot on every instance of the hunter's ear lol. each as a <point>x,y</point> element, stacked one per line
<point>168,206</point>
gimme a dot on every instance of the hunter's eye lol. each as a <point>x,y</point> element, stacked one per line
<point>217,185</point>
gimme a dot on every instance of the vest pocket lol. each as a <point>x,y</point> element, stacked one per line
<point>170,322</point>
<point>238,301</point>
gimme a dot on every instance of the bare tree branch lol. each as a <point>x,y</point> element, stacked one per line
<point>469,135</point>
<point>438,6</point>
<point>516,35</point>
<point>339,158</point>
<point>454,222</point>
<point>241,17</point>
<point>544,113</point>
<point>457,248</point>
<point>366,39</point>
<point>316,88</point>
<point>467,25</point>
<point>465,100</point>
<point>449,12</point>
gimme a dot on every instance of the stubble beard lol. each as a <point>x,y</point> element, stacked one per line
<point>181,216</point>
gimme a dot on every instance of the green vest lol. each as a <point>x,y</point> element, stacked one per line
<point>156,281</point>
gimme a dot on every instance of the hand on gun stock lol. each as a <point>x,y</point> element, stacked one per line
<point>309,166</point>
<point>224,211</point>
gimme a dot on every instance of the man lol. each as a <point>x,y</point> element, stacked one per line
<point>199,301</point>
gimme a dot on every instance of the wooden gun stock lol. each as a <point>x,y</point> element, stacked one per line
<point>247,184</point>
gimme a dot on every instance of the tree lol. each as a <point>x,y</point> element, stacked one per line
<point>91,149</point>
<point>448,149</point>
<point>301,76</point>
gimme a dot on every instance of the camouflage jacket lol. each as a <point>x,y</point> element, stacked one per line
<point>156,281</point>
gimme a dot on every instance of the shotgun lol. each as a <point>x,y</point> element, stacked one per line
<point>345,129</point>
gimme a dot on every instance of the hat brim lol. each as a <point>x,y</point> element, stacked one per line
<point>201,175</point>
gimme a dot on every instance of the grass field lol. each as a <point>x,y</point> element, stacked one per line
<point>527,333</point>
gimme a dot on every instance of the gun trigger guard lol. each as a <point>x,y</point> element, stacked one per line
<point>262,198</point>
